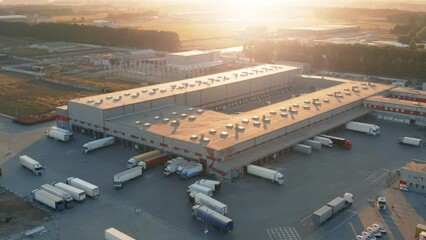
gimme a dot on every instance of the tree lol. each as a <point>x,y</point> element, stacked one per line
<point>413,45</point>
<point>422,34</point>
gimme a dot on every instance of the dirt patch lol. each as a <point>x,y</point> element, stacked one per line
<point>17,215</point>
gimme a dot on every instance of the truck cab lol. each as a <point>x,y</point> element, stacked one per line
<point>381,203</point>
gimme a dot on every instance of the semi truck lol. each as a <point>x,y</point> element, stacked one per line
<point>332,208</point>
<point>381,203</point>
<point>195,188</point>
<point>127,175</point>
<point>59,193</point>
<point>217,220</point>
<point>341,142</point>
<point>204,200</point>
<point>31,164</point>
<point>154,161</point>
<point>369,129</point>
<point>114,234</point>
<point>190,170</point>
<point>76,193</point>
<point>410,141</point>
<point>324,141</point>
<point>100,143</point>
<point>302,148</point>
<point>132,162</point>
<point>59,134</point>
<point>266,173</point>
<point>48,199</point>
<point>172,165</point>
<point>315,145</point>
<point>90,189</point>
<point>213,185</point>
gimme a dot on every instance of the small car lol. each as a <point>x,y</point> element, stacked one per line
<point>359,237</point>
<point>379,227</point>
<point>368,235</point>
<point>374,231</point>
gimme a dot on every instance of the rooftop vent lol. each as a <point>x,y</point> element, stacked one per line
<point>307,101</point>
<point>174,113</point>
<point>157,117</point>
<point>135,95</point>
<point>166,119</point>
<point>174,122</point>
<point>173,85</point>
<point>147,124</point>
<point>192,118</point>
<point>206,82</point>
<point>307,107</point>
<point>355,89</point>
<point>315,99</point>
<point>192,85</point>
<point>163,90</point>
<point>348,93</point>
<point>117,98</point>
<point>205,140</point>
<point>256,123</point>
<point>364,87</point>
<point>317,102</point>
<point>138,122</point>
<point>255,117</point>
<point>295,105</point>
<point>90,100</point>
<point>266,120</point>
<point>127,94</point>
<point>152,93</point>
<point>326,100</point>
<point>371,84</point>
<point>224,134</point>
<point>200,111</point>
<point>109,97</point>
<point>273,112</point>
<point>229,125</point>
<point>293,110</point>
<point>144,90</point>
<point>240,128</point>
<point>183,115</point>
<point>283,109</point>
<point>190,109</point>
<point>155,89</point>
<point>245,120</point>
<point>283,114</point>
<point>212,131</point>
<point>100,101</point>
<point>364,84</point>
<point>194,137</point>
<point>346,89</point>
<point>330,94</point>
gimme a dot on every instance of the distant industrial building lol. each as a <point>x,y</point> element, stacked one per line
<point>317,30</point>
<point>413,176</point>
<point>190,60</point>
<point>180,117</point>
<point>104,23</point>
<point>55,47</point>
<point>13,18</point>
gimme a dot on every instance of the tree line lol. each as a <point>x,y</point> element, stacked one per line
<point>117,37</point>
<point>364,59</point>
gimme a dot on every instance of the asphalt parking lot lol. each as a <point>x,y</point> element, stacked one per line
<point>155,206</point>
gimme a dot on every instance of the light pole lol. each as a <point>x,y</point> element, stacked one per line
<point>205,230</point>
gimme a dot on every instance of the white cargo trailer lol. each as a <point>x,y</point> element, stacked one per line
<point>213,185</point>
<point>195,188</point>
<point>127,175</point>
<point>57,192</point>
<point>59,134</point>
<point>114,234</point>
<point>90,189</point>
<point>410,141</point>
<point>324,141</point>
<point>302,148</point>
<point>266,173</point>
<point>100,143</point>
<point>135,160</point>
<point>48,199</point>
<point>204,200</point>
<point>31,164</point>
<point>315,145</point>
<point>369,129</point>
<point>76,193</point>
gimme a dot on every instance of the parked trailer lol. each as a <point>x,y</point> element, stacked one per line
<point>58,192</point>
<point>48,199</point>
<point>410,141</point>
<point>420,228</point>
<point>204,200</point>
<point>369,129</point>
<point>127,175</point>
<point>195,188</point>
<point>266,173</point>
<point>324,141</point>
<point>315,145</point>
<point>303,149</point>
<point>100,143</point>
<point>213,185</point>
<point>31,164</point>
<point>191,170</point>
<point>172,165</point>
<point>90,189</point>
<point>114,234</point>
<point>154,161</point>
<point>76,193</point>
<point>341,142</point>
<point>59,134</point>
<point>132,162</point>
<point>322,215</point>
<point>332,208</point>
<point>217,220</point>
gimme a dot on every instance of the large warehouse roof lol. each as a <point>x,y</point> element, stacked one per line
<point>409,91</point>
<point>138,95</point>
<point>396,101</point>
<point>221,131</point>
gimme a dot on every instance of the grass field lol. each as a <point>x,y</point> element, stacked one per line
<point>22,95</point>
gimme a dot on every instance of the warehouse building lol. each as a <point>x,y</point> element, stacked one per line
<point>408,94</point>
<point>318,30</point>
<point>413,176</point>
<point>178,117</point>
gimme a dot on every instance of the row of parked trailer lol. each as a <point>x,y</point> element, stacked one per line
<point>60,195</point>
<point>207,209</point>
